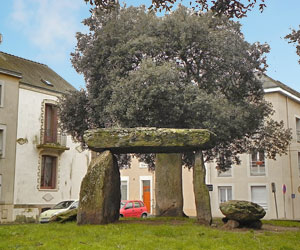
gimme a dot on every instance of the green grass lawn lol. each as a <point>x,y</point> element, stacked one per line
<point>151,234</point>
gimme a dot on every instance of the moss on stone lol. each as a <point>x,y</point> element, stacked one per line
<point>242,211</point>
<point>100,192</point>
<point>149,140</point>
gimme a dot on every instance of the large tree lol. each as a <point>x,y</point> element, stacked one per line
<point>182,71</point>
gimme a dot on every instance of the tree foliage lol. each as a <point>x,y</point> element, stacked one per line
<point>181,70</point>
<point>75,105</point>
<point>231,8</point>
<point>294,37</point>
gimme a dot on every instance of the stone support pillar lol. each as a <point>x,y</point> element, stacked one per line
<point>201,192</point>
<point>168,185</point>
<point>100,194</point>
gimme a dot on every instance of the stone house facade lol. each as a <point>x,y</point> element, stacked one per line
<point>41,165</point>
<point>253,180</point>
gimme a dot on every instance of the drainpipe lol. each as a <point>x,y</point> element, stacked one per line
<point>290,159</point>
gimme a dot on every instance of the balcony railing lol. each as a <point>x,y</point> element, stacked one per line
<point>56,141</point>
<point>53,137</point>
<point>257,169</point>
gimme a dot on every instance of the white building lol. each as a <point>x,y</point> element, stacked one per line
<point>45,166</point>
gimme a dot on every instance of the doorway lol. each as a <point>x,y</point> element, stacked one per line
<point>146,193</point>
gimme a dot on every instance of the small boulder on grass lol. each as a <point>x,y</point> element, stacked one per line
<point>246,213</point>
<point>70,215</point>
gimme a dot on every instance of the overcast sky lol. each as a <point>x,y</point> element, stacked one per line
<point>44,31</point>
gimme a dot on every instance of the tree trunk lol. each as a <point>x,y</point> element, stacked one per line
<point>202,198</point>
<point>168,185</point>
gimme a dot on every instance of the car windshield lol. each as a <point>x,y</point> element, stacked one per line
<point>122,204</point>
<point>63,205</point>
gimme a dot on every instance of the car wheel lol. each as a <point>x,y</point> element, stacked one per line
<point>144,216</point>
<point>121,215</point>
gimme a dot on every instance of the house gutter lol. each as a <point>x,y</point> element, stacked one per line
<point>284,92</point>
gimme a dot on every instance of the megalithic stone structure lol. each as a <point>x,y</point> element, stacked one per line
<point>99,201</point>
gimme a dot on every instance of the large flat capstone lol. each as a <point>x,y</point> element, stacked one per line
<point>148,140</point>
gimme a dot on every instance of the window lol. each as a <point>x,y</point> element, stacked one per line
<point>124,190</point>
<point>298,129</point>
<point>259,196</point>
<point>50,133</point>
<point>225,193</point>
<point>47,82</point>
<point>63,205</point>
<point>2,140</point>
<point>257,165</point>
<point>226,173</point>
<point>1,94</point>
<point>0,187</point>
<point>299,162</point>
<point>48,172</point>
<point>143,165</point>
<point>137,204</point>
<point>129,205</point>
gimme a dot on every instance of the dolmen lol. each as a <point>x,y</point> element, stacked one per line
<point>240,213</point>
<point>100,196</point>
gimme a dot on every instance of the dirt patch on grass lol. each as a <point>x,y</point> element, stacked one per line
<point>273,228</point>
<point>265,227</point>
<point>152,222</point>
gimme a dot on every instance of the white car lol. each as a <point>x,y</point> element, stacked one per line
<point>57,209</point>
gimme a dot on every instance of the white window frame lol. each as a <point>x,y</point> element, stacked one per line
<point>250,185</point>
<point>146,178</point>
<point>227,173</point>
<point>56,172</point>
<point>224,186</point>
<point>299,163</point>
<point>3,143</point>
<point>143,165</point>
<point>262,174</point>
<point>126,178</point>
<point>2,94</point>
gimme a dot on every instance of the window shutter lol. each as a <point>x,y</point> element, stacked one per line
<point>54,123</point>
<point>259,195</point>
<point>0,187</point>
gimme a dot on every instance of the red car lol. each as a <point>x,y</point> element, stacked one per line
<point>133,208</point>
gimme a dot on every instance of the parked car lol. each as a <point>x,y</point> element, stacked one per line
<point>57,209</point>
<point>133,208</point>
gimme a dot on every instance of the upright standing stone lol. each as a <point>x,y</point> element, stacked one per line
<point>168,185</point>
<point>202,198</point>
<point>100,194</point>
